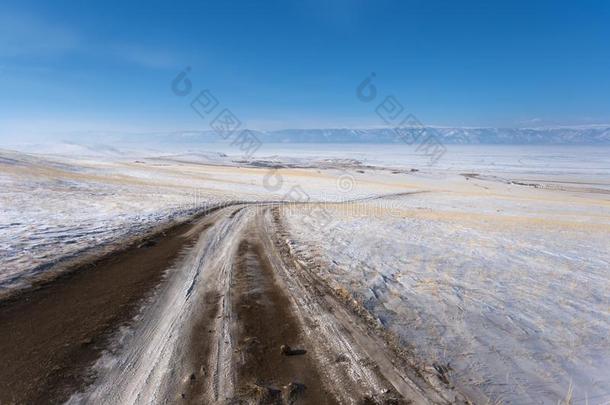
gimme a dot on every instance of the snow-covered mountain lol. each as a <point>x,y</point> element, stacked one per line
<point>94,141</point>
<point>547,135</point>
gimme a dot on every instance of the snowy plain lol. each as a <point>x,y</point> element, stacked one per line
<point>506,285</point>
<point>74,200</point>
<point>494,262</point>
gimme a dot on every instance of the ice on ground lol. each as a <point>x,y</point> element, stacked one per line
<point>509,287</point>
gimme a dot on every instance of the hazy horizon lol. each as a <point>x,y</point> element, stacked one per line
<point>300,64</point>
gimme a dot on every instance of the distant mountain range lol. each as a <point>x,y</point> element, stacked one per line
<point>590,135</point>
<point>558,135</point>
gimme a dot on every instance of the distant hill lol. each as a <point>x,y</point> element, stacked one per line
<point>585,135</point>
<point>505,136</point>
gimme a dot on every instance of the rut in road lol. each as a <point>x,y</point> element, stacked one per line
<point>214,330</point>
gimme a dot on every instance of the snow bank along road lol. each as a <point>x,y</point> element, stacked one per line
<point>216,310</point>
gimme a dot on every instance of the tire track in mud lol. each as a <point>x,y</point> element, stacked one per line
<point>212,331</point>
<point>265,325</point>
<point>152,365</point>
<point>342,325</point>
<point>52,335</point>
<point>265,301</point>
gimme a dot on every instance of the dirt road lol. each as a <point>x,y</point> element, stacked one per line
<point>218,310</point>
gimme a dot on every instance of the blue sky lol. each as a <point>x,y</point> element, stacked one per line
<point>76,66</point>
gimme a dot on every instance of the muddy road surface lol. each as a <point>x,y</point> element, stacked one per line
<point>217,310</point>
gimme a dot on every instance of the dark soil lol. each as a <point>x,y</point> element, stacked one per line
<point>51,335</point>
<point>267,373</point>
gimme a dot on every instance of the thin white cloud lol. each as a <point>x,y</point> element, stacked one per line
<point>22,34</point>
<point>25,35</point>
